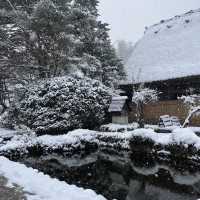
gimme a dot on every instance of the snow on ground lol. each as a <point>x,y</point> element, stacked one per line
<point>195,129</point>
<point>185,136</point>
<point>38,186</point>
<point>127,127</point>
<point>130,127</point>
<point>6,133</point>
<point>119,127</point>
<point>159,138</point>
<point>167,50</point>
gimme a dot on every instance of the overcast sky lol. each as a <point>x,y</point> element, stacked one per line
<point>128,18</point>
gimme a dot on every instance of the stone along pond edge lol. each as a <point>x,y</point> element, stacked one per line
<point>181,147</point>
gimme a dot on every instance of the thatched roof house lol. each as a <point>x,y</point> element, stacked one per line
<point>167,58</point>
<point>167,50</point>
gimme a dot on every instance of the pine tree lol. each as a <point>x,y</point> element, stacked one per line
<point>52,40</point>
<point>89,6</point>
<point>7,71</point>
<point>124,50</point>
<point>54,37</point>
<point>113,69</point>
<point>42,33</point>
<point>95,40</point>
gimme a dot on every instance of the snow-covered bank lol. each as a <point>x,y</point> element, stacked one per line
<point>133,126</point>
<point>38,186</point>
<point>179,136</point>
<point>73,140</point>
<point>118,127</point>
<point>78,139</point>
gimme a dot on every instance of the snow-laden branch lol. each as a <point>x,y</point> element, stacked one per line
<point>141,97</point>
<point>191,100</point>
<point>145,95</point>
<point>192,112</point>
<point>193,103</point>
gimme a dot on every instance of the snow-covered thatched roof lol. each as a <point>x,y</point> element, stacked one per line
<point>117,104</point>
<point>170,49</point>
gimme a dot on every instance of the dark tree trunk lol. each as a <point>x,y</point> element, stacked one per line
<point>140,110</point>
<point>3,95</point>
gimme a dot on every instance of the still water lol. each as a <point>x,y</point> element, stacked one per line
<point>116,176</point>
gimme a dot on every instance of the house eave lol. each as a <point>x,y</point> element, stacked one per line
<point>123,83</point>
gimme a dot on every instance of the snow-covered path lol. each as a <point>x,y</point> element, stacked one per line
<point>38,186</point>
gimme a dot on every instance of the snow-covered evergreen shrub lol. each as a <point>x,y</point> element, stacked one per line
<point>61,104</point>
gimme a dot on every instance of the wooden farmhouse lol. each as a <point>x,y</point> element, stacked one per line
<point>167,59</point>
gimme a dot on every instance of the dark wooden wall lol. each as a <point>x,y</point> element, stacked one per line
<point>169,89</point>
<point>168,103</point>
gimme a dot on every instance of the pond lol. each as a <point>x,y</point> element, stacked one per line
<point>116,176</point>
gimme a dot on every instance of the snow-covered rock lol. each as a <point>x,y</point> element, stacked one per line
<point>38,186</point>
<point>167,50</point>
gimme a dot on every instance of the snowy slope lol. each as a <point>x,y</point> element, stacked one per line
<point>168,50</point>
<point>41,187</point>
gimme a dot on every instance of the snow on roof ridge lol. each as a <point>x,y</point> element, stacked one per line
<point>167,50</point>
<point>176,17</point>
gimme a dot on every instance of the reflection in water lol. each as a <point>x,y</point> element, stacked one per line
<point>117,177</point>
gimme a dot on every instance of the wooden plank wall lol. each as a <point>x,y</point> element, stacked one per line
<point>153,111</point>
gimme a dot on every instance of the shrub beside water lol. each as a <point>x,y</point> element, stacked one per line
<point>179,154</point>
<point>58,105</point>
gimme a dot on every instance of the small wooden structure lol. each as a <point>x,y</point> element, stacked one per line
<point>119,110</point>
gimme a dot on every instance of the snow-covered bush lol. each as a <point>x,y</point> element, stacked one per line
<point>61,104</point>
<point>145,95</point>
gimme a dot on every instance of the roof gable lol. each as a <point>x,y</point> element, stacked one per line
<point>168,50</point>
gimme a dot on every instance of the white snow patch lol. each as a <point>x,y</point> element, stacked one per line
<point>195,129</point>
<point>116,127</point>
<point>185,136</point>
<point>179,136</point>
<point>159,138</point>
<point>38,186</point>
<point>6,133</point>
